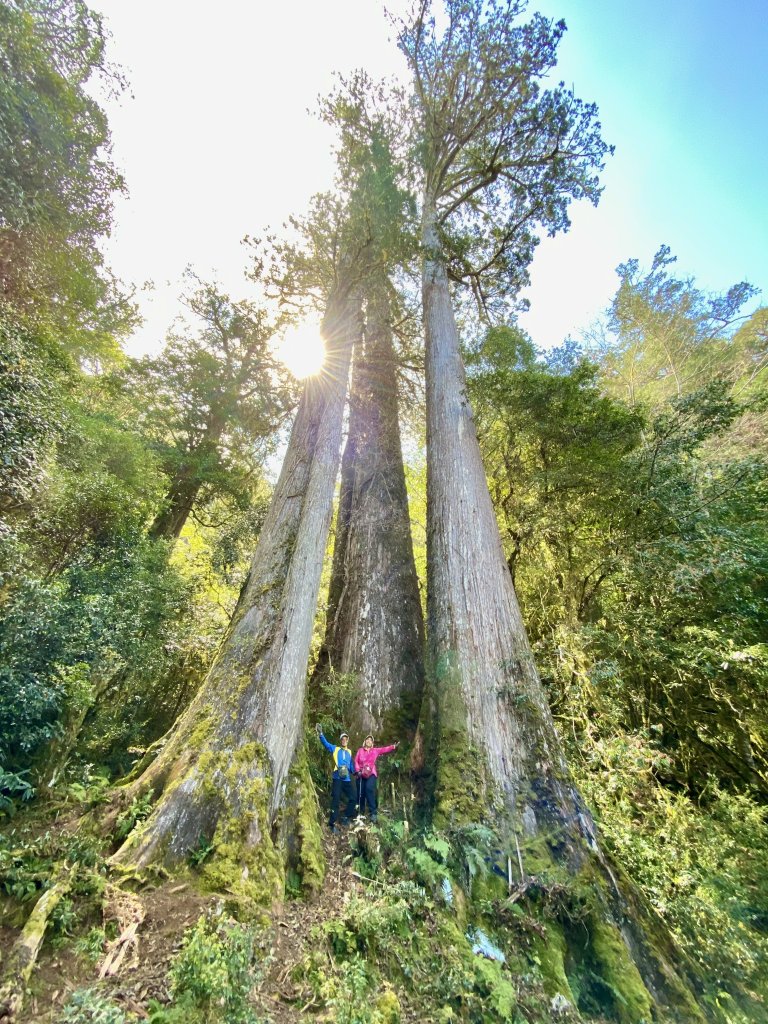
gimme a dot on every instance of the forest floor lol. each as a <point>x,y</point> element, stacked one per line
<point>163,912</point>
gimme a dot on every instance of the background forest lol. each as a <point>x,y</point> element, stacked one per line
<point>628,476</point>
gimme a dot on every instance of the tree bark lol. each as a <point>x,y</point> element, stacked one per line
<point>375,627</point>
<point>498,755</point>
<point>178,503</point>
<point>185,486</point>
<point>223,773</point>
<point>491,707</point>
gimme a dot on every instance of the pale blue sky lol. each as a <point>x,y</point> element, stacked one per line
<point>682,88</point>
<point>217,142</point>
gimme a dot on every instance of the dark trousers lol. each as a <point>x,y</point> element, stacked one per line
<point>368,795</point>
<point>339,786</point>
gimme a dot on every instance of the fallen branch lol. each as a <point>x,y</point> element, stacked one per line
<point>23,956</point>
<point>128,910</point>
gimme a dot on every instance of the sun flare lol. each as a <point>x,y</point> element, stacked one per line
<point>302,349</point>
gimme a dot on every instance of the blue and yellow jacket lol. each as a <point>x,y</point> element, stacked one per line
<point>341,758</point>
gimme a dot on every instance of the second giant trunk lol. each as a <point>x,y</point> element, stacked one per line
<point>498,757</point>
<point>375,628</point>
<point>496,746</point>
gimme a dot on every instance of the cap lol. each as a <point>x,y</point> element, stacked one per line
<point>343,735</point>
<point>368,737</point>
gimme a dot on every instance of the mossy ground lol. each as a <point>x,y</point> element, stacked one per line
<point>383,925</point>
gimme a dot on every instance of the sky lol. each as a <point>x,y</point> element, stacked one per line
<point>216,139</point>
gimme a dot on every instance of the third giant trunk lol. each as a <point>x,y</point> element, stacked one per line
<point>496,747</point>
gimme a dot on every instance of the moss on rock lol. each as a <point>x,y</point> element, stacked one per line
<point>632,1001</point>
<point>550,951</point>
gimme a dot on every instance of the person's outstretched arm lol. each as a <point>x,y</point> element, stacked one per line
<point>385,750</point>
<point>328,746</point>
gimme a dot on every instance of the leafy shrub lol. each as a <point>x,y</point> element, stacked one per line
<point>14,788</point>
<point>87,1006</point>
<point>214,971</point>
<point>139,809</point>
<point>91,945</point>
<point>365,925</point>
<point>29,865</point>
<point>200,853</point>
<point>64,916</point>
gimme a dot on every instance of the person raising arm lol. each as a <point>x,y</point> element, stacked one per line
<point>341,782</point>
<point>365,766</point>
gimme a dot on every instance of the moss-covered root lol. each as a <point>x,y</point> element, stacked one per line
<point>23,955</point>
<point>222,802</point>
<point>592,968</point>
<point>550,949</point>
<point>619,958</point>
<point>301,833</point>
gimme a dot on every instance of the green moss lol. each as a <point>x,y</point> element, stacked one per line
<point>632,1001</point>
<point>488,886</point>
<point>388,1009</point>
<point>539,854</point>
<point>201,730</point>
<point>549,952</point>
<point>459,792</point>
<point>499,993</point>
<point>251,874</point>
<point>309,856</point>
<point>245,863</point>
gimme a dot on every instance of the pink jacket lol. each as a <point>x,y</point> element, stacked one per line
<point>368,757</point>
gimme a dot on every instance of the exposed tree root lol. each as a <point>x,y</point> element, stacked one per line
<point>23,955</point>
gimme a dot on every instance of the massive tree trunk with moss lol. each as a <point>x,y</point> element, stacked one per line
<point>222,774</point>
<point>375,628</point>
<point>497,753</point>
<point>492,712</point>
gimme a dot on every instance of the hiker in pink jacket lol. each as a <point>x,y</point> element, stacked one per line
<point>365,767</point>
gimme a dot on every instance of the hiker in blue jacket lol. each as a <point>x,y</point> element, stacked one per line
<point>342,777</point>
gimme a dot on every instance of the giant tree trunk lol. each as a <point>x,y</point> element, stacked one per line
<point>498,755</point>
<point>375,628</point>
<point>223,773</point>
<point>491,709</point>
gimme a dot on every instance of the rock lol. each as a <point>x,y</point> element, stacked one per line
<point>559,1005</point>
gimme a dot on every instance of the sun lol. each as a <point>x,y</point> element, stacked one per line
<point>302,349</point>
